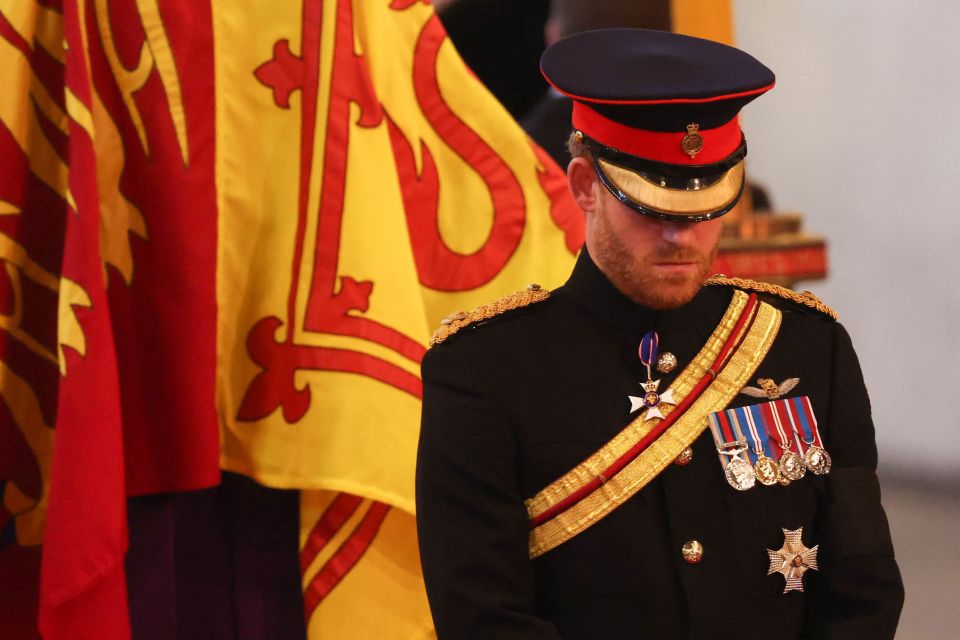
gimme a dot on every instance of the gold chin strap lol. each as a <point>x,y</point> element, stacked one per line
<point>616,490</point>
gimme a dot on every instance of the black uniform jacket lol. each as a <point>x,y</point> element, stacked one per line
<point>514,403</point>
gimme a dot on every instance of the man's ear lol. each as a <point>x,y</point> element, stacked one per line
<point>582,180</point>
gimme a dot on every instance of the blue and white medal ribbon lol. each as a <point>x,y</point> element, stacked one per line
<point>766,469</point>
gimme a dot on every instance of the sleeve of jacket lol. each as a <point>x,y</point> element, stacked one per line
<point>471,520</point>
<point>858,592</point>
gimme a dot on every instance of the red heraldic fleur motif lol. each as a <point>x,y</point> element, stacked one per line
<point>337,304</point>
<point>335,299</point>
<point>327,307</point>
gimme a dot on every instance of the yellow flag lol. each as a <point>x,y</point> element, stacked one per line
<point>368,185</point>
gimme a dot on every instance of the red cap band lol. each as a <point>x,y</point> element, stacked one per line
<point>658,146</point>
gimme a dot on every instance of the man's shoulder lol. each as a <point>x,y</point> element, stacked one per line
<point>511,306</point>
<point>493,342</point>
<point>803,303</point>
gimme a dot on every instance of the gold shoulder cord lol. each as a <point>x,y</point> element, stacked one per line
<point>806,298</point>
<point>460,319</point>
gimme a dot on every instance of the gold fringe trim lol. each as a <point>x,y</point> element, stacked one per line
<point>638,473</point>
<point>455,321</point>
<point>805,298</point>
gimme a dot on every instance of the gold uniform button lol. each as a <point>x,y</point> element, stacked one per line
<point>692,552</point>
<point>684,458</point>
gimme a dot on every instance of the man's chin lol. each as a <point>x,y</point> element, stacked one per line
<point>664,301</point>
<point>669,292</point>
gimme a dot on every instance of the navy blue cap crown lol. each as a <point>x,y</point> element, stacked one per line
<point>655,80</point>
<point>658,113</point>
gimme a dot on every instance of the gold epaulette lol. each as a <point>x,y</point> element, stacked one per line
<point>516,300</point>
<point>805,298</point>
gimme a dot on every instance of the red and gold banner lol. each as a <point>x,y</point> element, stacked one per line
<point>227,233</point>
<point>109,242</point>
<point>402,190</point>
<point>399,190</point>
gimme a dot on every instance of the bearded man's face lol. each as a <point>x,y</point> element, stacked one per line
<point>657,263</point>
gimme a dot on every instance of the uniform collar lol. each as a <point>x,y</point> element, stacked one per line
<point>590,289</point>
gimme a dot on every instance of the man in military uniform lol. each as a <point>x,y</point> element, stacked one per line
<point>646,452</point>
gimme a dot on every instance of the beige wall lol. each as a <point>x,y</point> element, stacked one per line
<point>862,133</point>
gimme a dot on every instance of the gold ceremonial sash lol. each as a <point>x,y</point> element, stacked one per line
<point>741,365</point>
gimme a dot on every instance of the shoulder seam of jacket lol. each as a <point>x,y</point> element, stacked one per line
<point>517,300</point>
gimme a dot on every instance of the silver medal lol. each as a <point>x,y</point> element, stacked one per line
<point>817,460</point>
<point>740,474</point>
<point>791,466</point>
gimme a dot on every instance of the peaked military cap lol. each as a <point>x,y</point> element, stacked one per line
<point>659,113</point>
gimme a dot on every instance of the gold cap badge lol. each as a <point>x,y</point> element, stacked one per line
<point>692,143</point>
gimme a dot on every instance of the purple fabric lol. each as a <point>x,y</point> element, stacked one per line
<point>221,563</point>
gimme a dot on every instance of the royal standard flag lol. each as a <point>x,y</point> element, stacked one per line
<point>227,233</point>
<point>385,188</point>
<point>108,238</point>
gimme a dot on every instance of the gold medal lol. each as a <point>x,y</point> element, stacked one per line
<point>766,469</point>
<point>746,425</point>
<point>817,460</point>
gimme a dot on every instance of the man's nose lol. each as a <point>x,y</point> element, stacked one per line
<point>678,233</point>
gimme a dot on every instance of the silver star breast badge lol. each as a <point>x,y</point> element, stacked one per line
<point>792,560</point>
